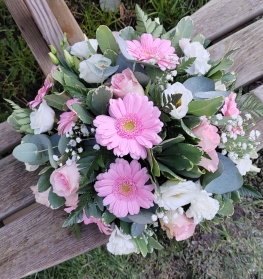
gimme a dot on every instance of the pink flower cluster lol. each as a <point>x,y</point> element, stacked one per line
<point>154,51</point>
<point>230,106</point>
<point>209,141</point>
<point>43,90</point>
<point>67,118</point>
<point>133,126</point>
<point>124,189</point>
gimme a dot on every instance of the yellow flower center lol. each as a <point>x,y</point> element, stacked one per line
<point>178,104</point>
<point>126,189</point>
<point>129,126</point>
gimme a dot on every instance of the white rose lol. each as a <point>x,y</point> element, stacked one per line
<point>42,119</point>
<point>121,244</point>
<point>181,107</point>
<point>41,198</point>
<point>31,167</point>
<point>81,49</point>
<point>195,49</point>
<point>176,194</point>
<point>99,61</point>
<point>202,206</point>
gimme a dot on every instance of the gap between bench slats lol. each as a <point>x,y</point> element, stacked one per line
<point>248,62</point>
<point>217,18</point>
<point>8,138</point>
<point>37,241</point>
<point>30,32</point>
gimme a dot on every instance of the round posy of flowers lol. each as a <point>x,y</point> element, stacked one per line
<point>154,51</point>
<point>124,189</point>
<point>133,126</point>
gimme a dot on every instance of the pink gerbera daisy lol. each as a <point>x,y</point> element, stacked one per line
<point>133,126</point>
<point>124,189</point>
<point>153,51</point>
<point>67,118</point>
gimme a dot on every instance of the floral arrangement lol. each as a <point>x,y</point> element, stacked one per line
<point>138,131</point>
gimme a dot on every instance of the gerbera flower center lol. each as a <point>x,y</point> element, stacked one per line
<point>129,126</point>
<point>125,188</point>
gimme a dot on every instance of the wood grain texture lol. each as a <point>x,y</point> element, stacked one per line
<point>38,241</point>
<point>8,138</point>
<point>15,182</point>
<point>66,21</point>
<point>46,22</point>
<point>248,62</point>
<point>218,17</point>
<point>31,33</point>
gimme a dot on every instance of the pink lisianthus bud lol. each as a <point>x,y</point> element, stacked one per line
<point>42,197</point>
<point>125,82</point>
<point>210,165</point>
<point>67,118</point>
<point>65,180</point>
<point>230,106</point>
<point>179,227</point>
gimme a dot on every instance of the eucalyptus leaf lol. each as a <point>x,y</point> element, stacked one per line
<point>106,39</point>
<point>230,180</point>
<point>212,94</point>
<point>143,217</point>
<point>26,152</point>
<point>199,38</point>
<point>142,78</point>
<point>82,113</point>
<point>137,229</point>
<point>210,176</point>
<point>62,144</point>
<point>127,33</point>
<point>112,55</point>
<point>100,100</point>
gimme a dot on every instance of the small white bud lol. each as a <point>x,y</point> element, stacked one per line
<point>96,147</point>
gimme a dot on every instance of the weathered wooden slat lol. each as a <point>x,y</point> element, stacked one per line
<point>66,21</point>
<point>8,138</point>
<point>41,233</point>
<point>15,182</point>
<point>217,18</point>
<point>46,22</point>
<point>30,32</point>
<point>248,63</point>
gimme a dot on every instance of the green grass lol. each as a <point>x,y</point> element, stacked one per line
<point>229,250</point>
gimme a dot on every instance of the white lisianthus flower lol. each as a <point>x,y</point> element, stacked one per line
<point>81,49</point>
<point>244,165</point>
<point>181,107</point>
<point>42,119</point>
<point>120,243</point>
<point>100,62</point>
<point>195,49</point>
<point>202,205</point>
<point>31,167</point>
<point>219,86</point>
<point>176,194</point>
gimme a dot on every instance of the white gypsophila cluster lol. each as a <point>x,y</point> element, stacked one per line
<point>175,194</point>
<point>202,207</point>
<point>120,243</point>
<point>195,49</point>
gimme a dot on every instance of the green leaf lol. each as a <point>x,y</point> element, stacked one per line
<point>44,170</point>
<point>106,39</point>
<point>43,182</point>
<point>73,81</point>
<point>55,200</point>
<point>154,244</point>
<point>143,217</point>
<point>170,142</point>
<point>127,33</point>
<point>235,196</point>
<point>58,100</point>
<point>224,64</point>
<point>58,76</point>
<point>189,132</point>
<point>195,172</point>
<point>185,64</point>
<point>137,229</point>
<point>169,173</point>
<point>75,216</point>
<point>62,144</point>
<point>205,107</point>
<point>228,208</point>
<point>230,180</point>
<point>108,217</point>
<point>141,245</point>
<point>217,76</point>
<point>199,38</point>
<point>248,191</point>
<point>82,113</point>
<point>112,55</point>
<point>210,176</point>
<point>26,152</point>
<point>100,99</point>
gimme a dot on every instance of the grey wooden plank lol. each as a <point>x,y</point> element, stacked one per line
<point>217,18</point>
<point>37,241</point>
<point>15,182</point>
<point>248,62</point>
<point>8,138</point>
<point>30,32</point>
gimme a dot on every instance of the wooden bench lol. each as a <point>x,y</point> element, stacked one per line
<point>31,236</point>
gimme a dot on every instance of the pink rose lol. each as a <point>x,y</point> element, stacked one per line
<point>179,227</point>
<point>230,106</point>
<point>208,134</point>
<point>65,180</point>
<point>41,197</point>
<point>67,118</point>
<point>210,165</point>
<point>126,82</point>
